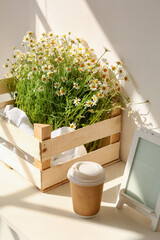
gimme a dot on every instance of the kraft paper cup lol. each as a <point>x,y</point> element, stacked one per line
<point>86,182</point>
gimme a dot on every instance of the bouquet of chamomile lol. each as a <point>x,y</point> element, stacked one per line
<point>60,81</point>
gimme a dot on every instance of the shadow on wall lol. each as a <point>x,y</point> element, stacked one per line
<point>133,28</point>
<point>16,18</point>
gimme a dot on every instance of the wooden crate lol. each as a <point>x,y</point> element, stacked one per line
<point>42,147</point>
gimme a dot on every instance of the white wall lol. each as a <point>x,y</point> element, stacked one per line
<point>131,29</point>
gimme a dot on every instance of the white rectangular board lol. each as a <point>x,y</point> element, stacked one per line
<point>140,188</point>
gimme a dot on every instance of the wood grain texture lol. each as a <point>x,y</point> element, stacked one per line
<point>116,112</point>
<point>4,85</point>
<point>81,136</point>
<point>42,132</point>
<point>58,173</point>
<point>20,139</point>
<point>114,138</point>
<point>66,180</point>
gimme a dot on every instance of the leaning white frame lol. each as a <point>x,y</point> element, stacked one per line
<point>123,198</point>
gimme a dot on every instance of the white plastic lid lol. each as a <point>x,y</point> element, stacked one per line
<point>86,174</point>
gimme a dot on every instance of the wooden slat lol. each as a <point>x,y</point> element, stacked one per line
<point>116,112</point>
<point>3,85</point>
<point>5,103</point>
<point>81,136</point>
<point>20,139</point>
<point>20,165</point>
<point>58,173</point>
<point>114,138</point>
<point>42,132</point>
<point>66,180</point>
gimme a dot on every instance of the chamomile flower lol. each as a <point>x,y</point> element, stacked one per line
<point>44,68</point>
<point>105,70</point>
<point>64,79</point>
<point>34,69</point>
<point>72,41</point>
<point>5,65</point>
<point>26,38</point>
<point>118,63</point>
<point>104,75</point>
<point>52,42</point>
<point>80,69</point>
<point>44,34</point>
<point>56,85</point>
<point>96,81</point>
<point>125,78</point>
<point>92,60</point>
<point>103,87</point>
<point>17,52</point>
<point>94,98</point>
<point>93,86</point>
<point>106,80</point>
<point>30,59</point>
<point>62,91</point>
<point>41,88</point>
<point>120,72</point>
<point>68,69</point>
<point>75,85</point>
<point>30,33</point>
<point>40,57</point>
<point>49,74</point>
<point>59,59</point>
<point>44,79</point>
<point>73,126</point>
<point>100,95</point>
<point>77,101</point>
<point>58,93</point>
<point>91,110</point>
<point>82,65</point>
<point>50,34</point>
<point>113,67</point>
<point>31,40</point>
<point>88,103</point>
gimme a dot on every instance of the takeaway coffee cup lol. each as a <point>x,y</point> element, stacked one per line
<point>86,182</point>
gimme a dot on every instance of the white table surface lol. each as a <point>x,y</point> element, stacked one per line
<point>46,216</point>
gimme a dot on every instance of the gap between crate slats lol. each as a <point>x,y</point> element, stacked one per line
<point>81,136</point>
<point>56,174</point>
